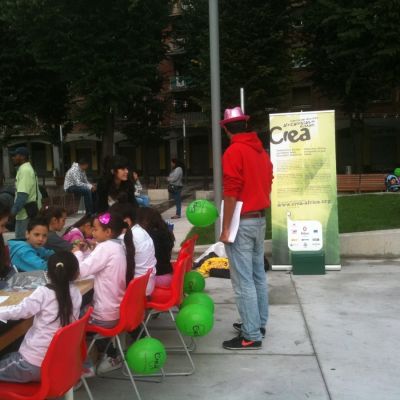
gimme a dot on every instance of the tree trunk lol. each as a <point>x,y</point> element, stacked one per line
<point>357,131</point>
<point>108,136</point>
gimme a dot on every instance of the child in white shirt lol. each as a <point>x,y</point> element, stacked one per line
<point>53,306</point>
<point>144,251</point>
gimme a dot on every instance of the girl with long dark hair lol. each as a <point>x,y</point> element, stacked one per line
<point>53,306</point>
<point>163,239</point>
<point>115,185</point>
<point>112,265</point>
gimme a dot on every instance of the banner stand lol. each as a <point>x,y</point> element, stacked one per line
<point>308,262</point>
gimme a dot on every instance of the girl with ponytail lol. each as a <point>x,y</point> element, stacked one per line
<point>55,305</point>
<point>111,266</point>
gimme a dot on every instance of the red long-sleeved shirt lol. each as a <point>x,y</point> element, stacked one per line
<point>247,172</point>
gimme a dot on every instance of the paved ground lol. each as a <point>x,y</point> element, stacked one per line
<point>333,336</point>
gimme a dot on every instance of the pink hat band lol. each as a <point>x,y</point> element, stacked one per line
<point>232,115</point>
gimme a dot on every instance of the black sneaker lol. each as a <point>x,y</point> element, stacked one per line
<point>240,343</point>
<point>238,327</point>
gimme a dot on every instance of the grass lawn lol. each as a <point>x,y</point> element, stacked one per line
<point>357,213</point>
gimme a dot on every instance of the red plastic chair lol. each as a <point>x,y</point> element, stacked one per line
<point>188,248</point>
<point>131,315</point>
<point>191,243</point>
<point>165,299</point>
<point>61,368</point>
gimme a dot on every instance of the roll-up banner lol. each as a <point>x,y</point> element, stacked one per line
<point>304,195</point>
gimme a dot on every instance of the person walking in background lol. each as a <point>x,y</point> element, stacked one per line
<point>115,185</point>
<point>142,199</point>
<point>77,182</point>
<point>175,185</point>
<point>247,177</point>
<point>28,199</point>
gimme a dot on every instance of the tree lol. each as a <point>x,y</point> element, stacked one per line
<point>107,51</point>
<point>32,95</point>
<point>253,52</point>
<point>354,54</point>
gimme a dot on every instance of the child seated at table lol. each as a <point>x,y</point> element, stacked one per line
<point>145,258</point>
<point>163,239</point>
<point>5,267</point>
<point>30,254</point>
<point>112,268</point>
<point>55,217</point>
<point>80,231</point>
<point>53,306</point>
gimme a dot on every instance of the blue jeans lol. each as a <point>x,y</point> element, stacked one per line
<point>20,228</point>
<point>87,197</point>
<point>143,200</point>
<point>178,201</point>
<point>249,282</point>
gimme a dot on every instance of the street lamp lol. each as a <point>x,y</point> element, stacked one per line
<point>215,105</point>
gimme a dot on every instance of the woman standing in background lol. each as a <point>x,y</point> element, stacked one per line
<point>175,185</point>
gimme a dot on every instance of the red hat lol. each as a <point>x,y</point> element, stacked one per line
<point>232,115</point>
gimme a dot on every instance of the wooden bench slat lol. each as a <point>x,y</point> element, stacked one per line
<point>372,183</point>
<point>348,183</point>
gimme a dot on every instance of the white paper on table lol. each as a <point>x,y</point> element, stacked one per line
<point>235,220</point>
<point>3,299</point>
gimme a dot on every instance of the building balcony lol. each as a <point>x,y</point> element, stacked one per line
<point>179,83</point>
<point>176,46</point>
<point>192,119</point>
<point>176,8</point>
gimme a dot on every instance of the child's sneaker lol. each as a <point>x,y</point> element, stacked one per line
<point>240,343</point>
<point>108,364</point>
<point>238,327</point>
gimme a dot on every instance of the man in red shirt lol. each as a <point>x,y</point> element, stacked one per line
<point>247,177</point>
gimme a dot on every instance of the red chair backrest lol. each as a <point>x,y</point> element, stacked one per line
<point>62,365</point>
<point>133,305</point>
<point>188,248</point>
<point>163,298</point>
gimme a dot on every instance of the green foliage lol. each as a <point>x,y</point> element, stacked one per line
<point>104,55</point>
<point>356,213</point>
<point>253,52</point>
<point>31,93</point>
<point>353,48</point>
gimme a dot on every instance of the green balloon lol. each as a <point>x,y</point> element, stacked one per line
<point>201,213</point>
<point>397,172</point>
<point>199,298</point>
<point>193,282</point>
<point>146,356</point>
<point>195,320</point>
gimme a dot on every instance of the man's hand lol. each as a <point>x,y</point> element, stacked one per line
<point>224,238</point>
<point>94,188</point>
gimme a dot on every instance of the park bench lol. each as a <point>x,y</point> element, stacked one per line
<point>348,183</point>
<point>359,183</point>
<point>372,183</point>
